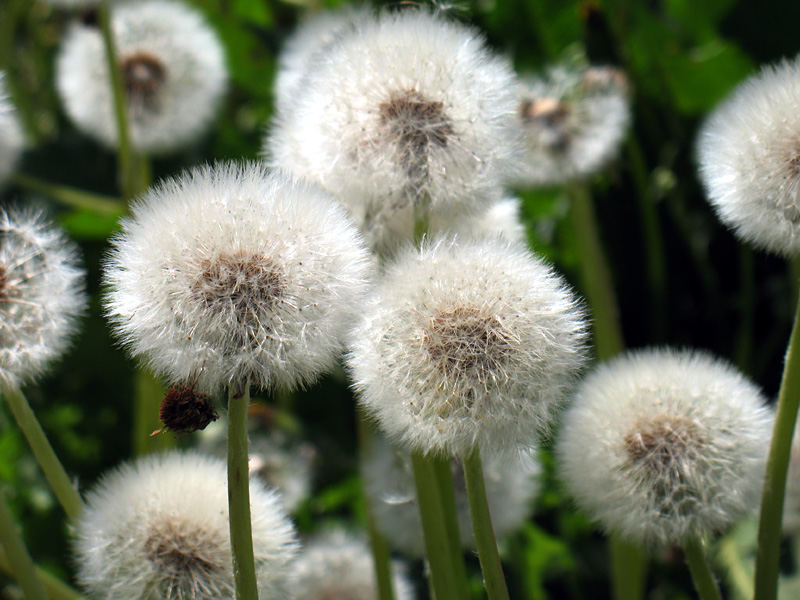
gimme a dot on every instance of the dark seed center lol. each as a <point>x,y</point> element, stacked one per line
<point>143,75</point>
<point>174,553</point>
<point>663,442</point>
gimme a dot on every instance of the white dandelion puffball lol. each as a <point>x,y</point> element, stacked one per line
<point>467,345</point>
<point>573,122</point>
<point>41,295</point>
<point>749,155</point>
<point>314,35</point>
<point>512,484</point>
<point>337,565</point>
<point>501,218</point>
<point>232,273</point>
<point>12,140</point>
<point>173,70</point>
<point>158,529</point>
<point>407,111</point>
<point>664,446</point>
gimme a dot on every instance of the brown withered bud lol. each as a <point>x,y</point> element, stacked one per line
<point>184,410</point>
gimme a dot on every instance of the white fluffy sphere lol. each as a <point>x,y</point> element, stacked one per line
<point>662,446</point>
<point>232,273</point>
<point>511,481</point>
<point>173,68</point>
<point>337,565</point>
<point>158,529</point>
<point>41,295</point>
<point>749,153</point>
<point>467,345</point>
<point>406,111</point>
<point>573,122</point>
<point>12,141</point>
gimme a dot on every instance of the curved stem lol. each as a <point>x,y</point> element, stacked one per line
<point>55,588</point>
<point>771,515</point>
<point>70,196</point>
<point>489,557</point>
<point>244,571</point>
<point>703,578</point>
<point>437,542</point>
<point>53,470</point>
<point>380,549</point>
<point>19,560</point>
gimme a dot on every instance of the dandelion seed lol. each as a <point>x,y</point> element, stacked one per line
<point>233,273</point>
<point>41,295</point>
<point>749,151</point>
<point>407,111</point>
<point>173,70</point>
<point>467,345</point>
<point>573,122</point>
<point>11,138</point>
<point>158,528</point>
<point>665,447</point>
<point>337,565</point>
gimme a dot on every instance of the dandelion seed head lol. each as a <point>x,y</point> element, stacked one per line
<point>663,446</point>
<point>41,295</point>
<point>158,528</point>
<point>467,344</point>
<point>748,151</point>
<point>173,70</point>
<point>232,273</point>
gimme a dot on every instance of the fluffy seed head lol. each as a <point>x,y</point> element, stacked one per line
<point>749,154</point>
<point>573,122</point>
<point>11,138</point>
<point>158,528</point>
<point>339,566</point>
<point>173,70</point>
<point>403,110</point>
<point>467,344</point>
<point>41,295</point>
<point>233,273</point>
<point>511,487</point>
<point>663,446</point>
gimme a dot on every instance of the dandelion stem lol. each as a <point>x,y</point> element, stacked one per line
<point>437,542</point>
<point>19,560</point>
<point>56,589</point>
<point>148,392</point>
<point>771,516</point>
<point>70,196</point>
<point>443,472</point>
<point>244,571</point>
<point>380,549</point>
<point>125,156</point>
<point>703,578</point>
<point>54,472</point>
<point>482,527</point>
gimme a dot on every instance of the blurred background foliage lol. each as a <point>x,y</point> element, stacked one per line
<point>682,57</point>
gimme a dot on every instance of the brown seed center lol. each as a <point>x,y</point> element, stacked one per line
<point>663,443</point>
<point>184,410</point>
<point>416,123</point>
<point>465,343</point>
<point>143,75</point>
<point>175,553</point>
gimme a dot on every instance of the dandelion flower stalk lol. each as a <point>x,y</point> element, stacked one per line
<point>482,526</point>
<point>239,494</point>
<point>56,589</point>
<point>19,560</point>
<point>772,497</point>
<point>54,472</point>
<point>68,196</point>
<point>702,576</point>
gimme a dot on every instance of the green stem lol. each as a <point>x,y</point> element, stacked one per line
<point>703,578</point>
<point>70,196</point>
<point>56,589</point>
<point>482,527</point>
<point>739,577</point>
<point>148,392</point>
<point>126,166</point>
<point>628,568</point>
<point>244,570</point>
<point>19,560</point>
<point>595,274</point>
<point>54,472</point>
<point>437,542</point>
<point>443,472</point>
<point>380,549</point>
<point>771,516</point>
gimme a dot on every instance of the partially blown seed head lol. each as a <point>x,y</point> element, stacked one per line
<point>663,446</point>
